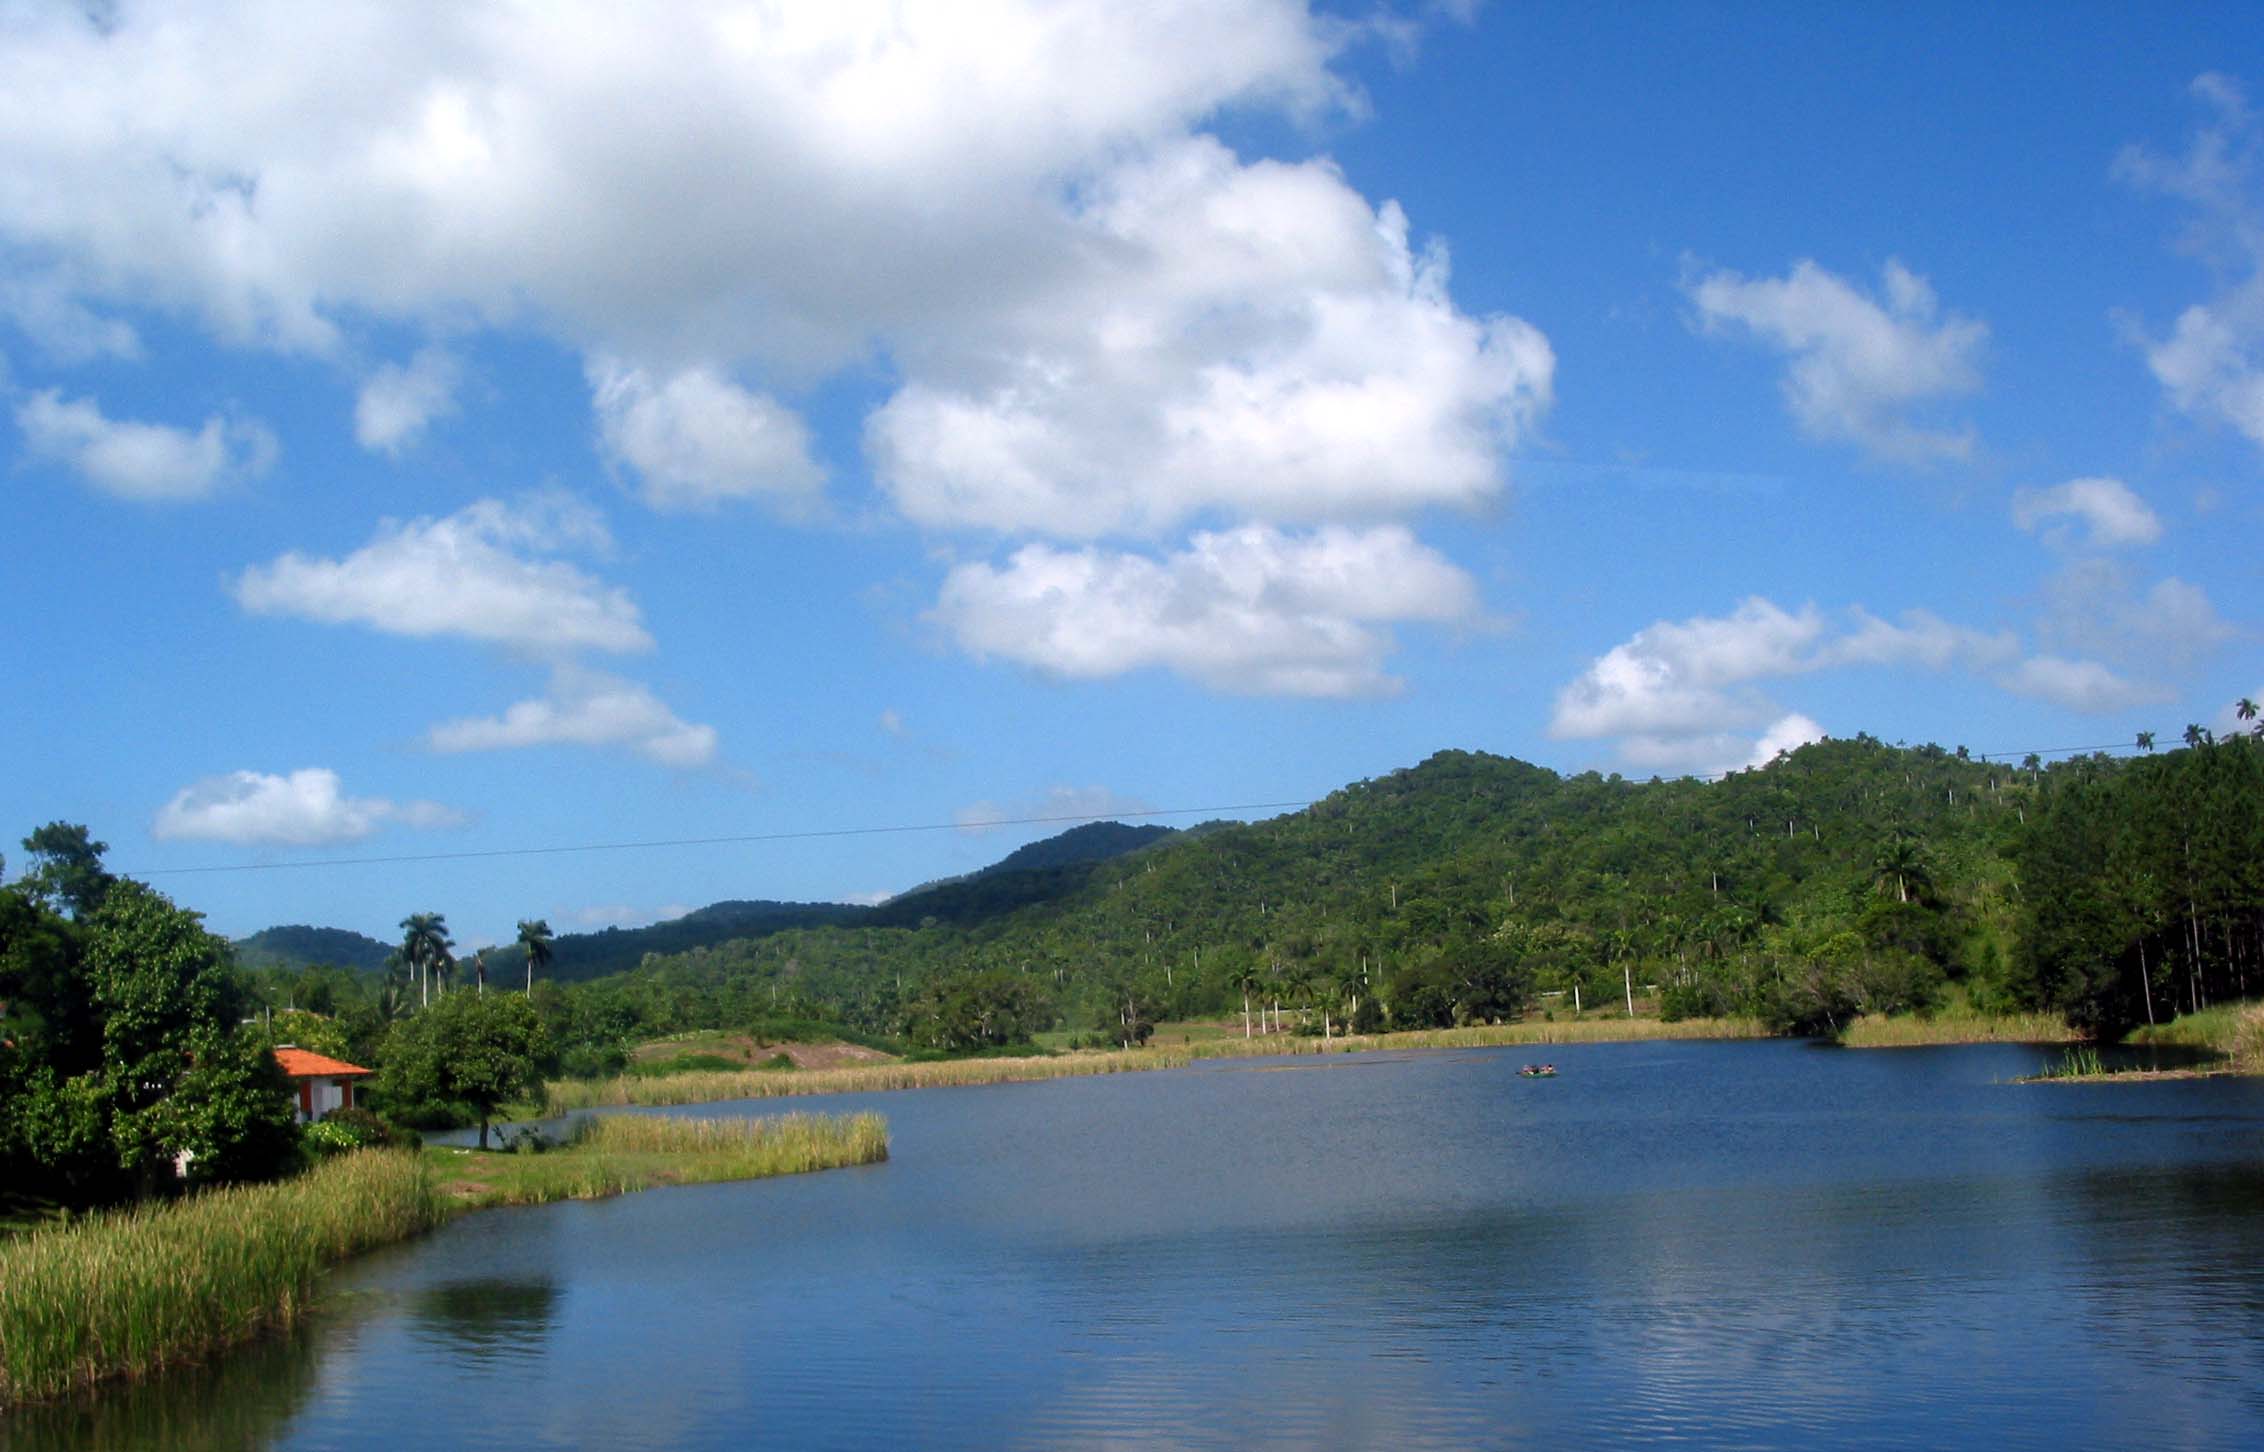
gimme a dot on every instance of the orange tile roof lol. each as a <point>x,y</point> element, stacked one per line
<point>300,1064</point>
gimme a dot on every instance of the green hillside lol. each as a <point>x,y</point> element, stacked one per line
<point>298,944</point>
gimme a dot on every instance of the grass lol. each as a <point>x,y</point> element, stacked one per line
<point>130,1292</point>
<point>755,1084</point>
<point>2081,1062</point>
<point>2225,1039</point>
<point>616,1154</point>
<point>1956,1022</point>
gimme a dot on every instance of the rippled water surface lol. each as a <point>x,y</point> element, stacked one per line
<point>1713,1245</point>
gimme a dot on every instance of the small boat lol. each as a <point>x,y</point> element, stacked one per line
<point>1538,1071</point>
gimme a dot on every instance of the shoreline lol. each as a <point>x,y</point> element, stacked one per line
<point>131,1293</point>
<point>708,1087</point>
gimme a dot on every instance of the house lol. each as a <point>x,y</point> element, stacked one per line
<point>319,1084</point>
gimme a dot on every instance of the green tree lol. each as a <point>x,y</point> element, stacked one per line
<point>535,938</point>
<point>467,1049</point>
<point>66,869</point>
<point>424,947</point>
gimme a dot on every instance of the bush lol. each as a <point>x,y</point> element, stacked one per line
<point>368,1130</point>
<point>593,1061</point>
<point>323,1139</point>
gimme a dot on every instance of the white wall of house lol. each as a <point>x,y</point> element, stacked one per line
<point>315,1096</point>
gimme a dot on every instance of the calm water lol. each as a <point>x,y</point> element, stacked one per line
<point>1712,1245</point>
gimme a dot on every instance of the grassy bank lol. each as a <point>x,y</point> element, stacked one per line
<point>616,1154</point>
<point>758,1084</point>
<point>1903,1031</point>
<point>132,1291</point>
<point>2226,1039</point>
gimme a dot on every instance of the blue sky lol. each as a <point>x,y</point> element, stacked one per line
<point>463,431</point>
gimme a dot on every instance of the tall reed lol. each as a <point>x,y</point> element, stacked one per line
<point>614,1154</point>
<point>131,1291</point>
<point>571,1094</point>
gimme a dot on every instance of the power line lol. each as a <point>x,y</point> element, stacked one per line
<point>823,832</point>
<point>984,824</point>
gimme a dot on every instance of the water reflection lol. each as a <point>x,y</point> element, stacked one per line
<point>1720,1245</point>
<point>243,1398</point>
<point>487,1319</point>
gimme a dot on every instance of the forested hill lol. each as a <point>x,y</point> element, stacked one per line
<point>1846,876</point>
<point>297,943</point>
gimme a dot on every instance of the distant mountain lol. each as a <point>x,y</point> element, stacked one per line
<point>1093,842</point>
<point>1032,874</point>
<point>298,944</point>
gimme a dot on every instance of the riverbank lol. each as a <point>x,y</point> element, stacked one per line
<point>1904,1031</point>
<point>131,1292</point>
<point>564,1096</point>
<point>2229,1038</point>
<point>620,1154</point>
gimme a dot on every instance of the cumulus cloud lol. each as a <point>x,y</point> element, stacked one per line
<point>1254,339</point>
<point>2111,515</point>
<point>1860,364</point>
<point>2211,363</point>
<point>2078,685</point>
<point>697,439</point>
<point>1685,694</point>
<point>621,914</point>
<point>1098,318</point>
<point>586,708</point>
<point>304,808</point>
<point>1055,804</point>
<point>397,404</point>
<point>475,574</point>
<point>2096,607</point>
<point>48,311</point>
<point>1253,610</point>
<point>143,460</point>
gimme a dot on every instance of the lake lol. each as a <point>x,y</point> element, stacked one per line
<point>1750,1245</point>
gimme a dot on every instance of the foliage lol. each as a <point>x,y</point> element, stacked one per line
<point>125,1051</point>
<point>127,1293</point>
<point>479,1050</point>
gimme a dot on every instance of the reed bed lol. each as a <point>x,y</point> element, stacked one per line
<point>1481,1036</point>
<point>615,1154</point>
<point>704,1088</point>
<point>132,1291</point>
<point>1902,1031</point>
<point>567,1095</point>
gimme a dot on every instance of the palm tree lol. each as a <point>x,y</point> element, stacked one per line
<point>2245,709</point>
<point>2195,734</point>
<point>424,945</point>
<point>479,969</point>
<point>534,936</point>
<point>2145,741</point>
<point>1902,861</point>
<point>1249,980</point>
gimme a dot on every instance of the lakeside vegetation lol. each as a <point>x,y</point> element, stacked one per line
<point>1956,1020</point>
<point>617,1154</point>
<point>564,1096</point>
<point>2227,1039</point>
<point>129,1292</point>
<point>125,1293</point>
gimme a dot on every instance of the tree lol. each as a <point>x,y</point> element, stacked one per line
<point>534,937</point>
<point>424,947</point>
<point>2146,741</point>
<point>66,868</point>
<point>135,1052</point>
<point>479,1052</point>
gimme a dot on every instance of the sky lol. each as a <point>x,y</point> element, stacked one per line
<point>443,438</point>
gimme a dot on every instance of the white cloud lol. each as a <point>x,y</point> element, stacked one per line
<point>2212,363</point>
<point>143,460</point>
<point>469,574</point>
<point>1683,695</point>
<point>2078,685</point>
<point>1252,610</point>
<point>1056,804</point>
<point>1098,318</point>
<point>398,404</point>
<point>1860,364</point>
<point>698,439</point>
<point>2096,608</point>
<point>892,722</point>
<point>621,914</point>
<point>50,313</point>
<point>1253,339</point>
<point>306,808</point>
<point>586,708</point>
<point>2112,516</point>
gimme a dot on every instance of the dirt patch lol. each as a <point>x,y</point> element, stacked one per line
<point>753,1053</point>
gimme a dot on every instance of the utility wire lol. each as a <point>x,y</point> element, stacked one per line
<point>982,825</point>
<point>809,835</point>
